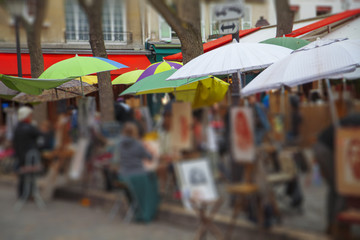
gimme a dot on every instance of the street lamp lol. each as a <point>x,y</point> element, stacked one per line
<point>16,8</point>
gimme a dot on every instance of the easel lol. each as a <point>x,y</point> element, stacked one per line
<point>32,166</point>
<point>205,211</point>
<point>241,192</point>
<point>257,191</point>
<point>59,159</point>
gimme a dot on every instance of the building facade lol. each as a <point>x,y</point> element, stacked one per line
<point>134,28</point>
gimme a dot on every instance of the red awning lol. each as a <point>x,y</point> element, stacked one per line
<point>8,62</point>
<point>323,22</point>
<point>213,44</point>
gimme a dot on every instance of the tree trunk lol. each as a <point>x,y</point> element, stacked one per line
<point>284,18</point>
<point>33,35</point>
<point>106,95</point>
<point>185,21</point>
<point>190,35</point>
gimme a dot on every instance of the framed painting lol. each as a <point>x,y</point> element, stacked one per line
<point>181,131</point>
<point>242,134</point>
<point>195,181</point>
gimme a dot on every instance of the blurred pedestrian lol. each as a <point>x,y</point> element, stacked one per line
<point>262,124</point>
<point>295,120</point>
<point>25,142</point>
<point>48,141</point>
<point>123,111</point>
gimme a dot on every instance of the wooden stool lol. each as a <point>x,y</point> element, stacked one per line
<point>347,218</point>
<point>240,191</point>
<point>206,217</point>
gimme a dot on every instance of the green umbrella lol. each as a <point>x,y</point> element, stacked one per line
<point>79,66</point>
<point>31,86</point>
<point>128,77</point>
<point>157,84</point>
<point>288,42</point>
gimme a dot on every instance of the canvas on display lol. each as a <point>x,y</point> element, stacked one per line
<point>242,134</point>
<point>348,161</point>
<point>195,181</point>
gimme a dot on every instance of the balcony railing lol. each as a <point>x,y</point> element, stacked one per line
<point>113,37</point>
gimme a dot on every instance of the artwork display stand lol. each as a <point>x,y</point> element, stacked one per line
<point>243,192</point>
<point>206,211</point>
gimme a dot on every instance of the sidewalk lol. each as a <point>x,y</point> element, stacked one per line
<point>175,215</point>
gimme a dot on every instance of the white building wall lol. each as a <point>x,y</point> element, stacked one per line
<point>307,8</point>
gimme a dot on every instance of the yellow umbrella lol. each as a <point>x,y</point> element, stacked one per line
<point>90,79</point>
<point>202,91</point>
<point>128,77</point>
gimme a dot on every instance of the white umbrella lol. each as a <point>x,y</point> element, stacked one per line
<point>232,58</point>
<point>348,76</point>
<point>317,60</point>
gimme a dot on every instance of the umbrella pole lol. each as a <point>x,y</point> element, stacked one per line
<point>344,88</point>
<point>282,108</point>
<point>282,103</point>
<point>240,84</point>
<point>82,88</point>
<point>332,104</point>
<point>228,92</point>
<point>240,81</point>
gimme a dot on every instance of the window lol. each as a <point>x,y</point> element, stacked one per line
<point>113,20</point>
<point>77,27</point>
<point>165,31</point>
<point>322,10</point>
<point>214,24</point>
<point>246,19</point>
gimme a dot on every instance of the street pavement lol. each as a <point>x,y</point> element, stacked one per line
<point>69,220</point>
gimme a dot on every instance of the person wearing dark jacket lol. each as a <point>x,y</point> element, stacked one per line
<point>25,140</point>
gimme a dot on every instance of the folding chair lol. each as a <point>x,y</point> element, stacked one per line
<point>132,206</point>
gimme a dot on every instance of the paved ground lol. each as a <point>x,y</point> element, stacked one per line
<point>70,221</point>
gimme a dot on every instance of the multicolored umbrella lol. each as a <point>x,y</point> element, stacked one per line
<point>159,67</point>
<point>288,42</point>
<point>128,77</point>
